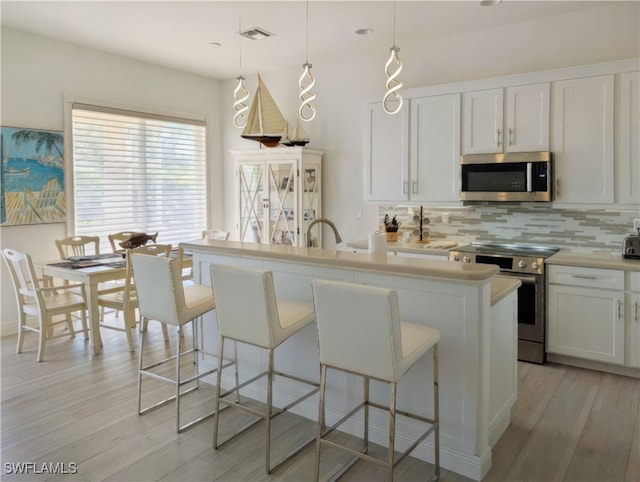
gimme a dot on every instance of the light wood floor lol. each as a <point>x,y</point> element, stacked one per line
<point>569,424</point>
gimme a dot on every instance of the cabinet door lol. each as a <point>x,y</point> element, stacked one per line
<point>311,203</point>
<point>282,188</point>
<point>386,175</point>
<point>582,139</point>
<point>628,132</point>
<point>527,126</point>
<point>586,323</point>
<point>633,320</point>
<point>435,148</point>
<point>251,201</point>
<point>482,122</point>
<point>634,330</point>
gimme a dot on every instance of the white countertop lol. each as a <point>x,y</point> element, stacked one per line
<point>438,248</point>
<point>501,286</point>
<point>593,260</point>
<point>347,259</point>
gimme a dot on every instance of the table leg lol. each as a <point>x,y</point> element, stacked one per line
<point>94,317</point>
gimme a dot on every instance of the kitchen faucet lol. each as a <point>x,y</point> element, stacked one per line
<point>326,221</point>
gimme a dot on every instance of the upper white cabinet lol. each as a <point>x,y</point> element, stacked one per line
<point>413,155</point>
<point>386,170</point>
<point>515,119</point>
<point>627,145</point>
<point>435,148</point>
<point>582,139</point>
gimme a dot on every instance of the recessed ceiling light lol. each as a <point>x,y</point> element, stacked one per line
<point>256,33</point>
<point>364,31</point>
<point>215,44</point>
<point>489,3</point>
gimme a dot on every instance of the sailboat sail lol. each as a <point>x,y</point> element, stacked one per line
<point>265,122</point>
<point>296,137</point>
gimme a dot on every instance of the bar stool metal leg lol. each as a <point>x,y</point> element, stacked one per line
<point>392,432</point>
<point>436,413</point>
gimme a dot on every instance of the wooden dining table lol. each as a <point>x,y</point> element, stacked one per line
<point>90,270</point>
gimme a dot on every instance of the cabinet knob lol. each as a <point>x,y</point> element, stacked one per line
<point>510,136</point>
<point>498,137</point>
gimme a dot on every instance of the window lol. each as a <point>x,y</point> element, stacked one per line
<point>138,172</point>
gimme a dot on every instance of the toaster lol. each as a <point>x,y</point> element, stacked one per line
<point>631,247</point>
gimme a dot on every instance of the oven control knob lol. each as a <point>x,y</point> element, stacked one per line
<point>455,257</point>
<point>466,259</point>
<point>535,265</point>
<point>522,264</point>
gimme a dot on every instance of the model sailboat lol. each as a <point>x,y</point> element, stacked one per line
<point>297,136</point>
<point>265,122</point>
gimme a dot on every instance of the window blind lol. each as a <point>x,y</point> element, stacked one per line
<point>138,172</point>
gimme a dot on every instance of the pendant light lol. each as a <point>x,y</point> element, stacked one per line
<point>393,85</point>
<point>307,111</point>
<point>240,93</point>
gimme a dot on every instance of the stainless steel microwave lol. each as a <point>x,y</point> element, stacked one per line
<point>514,176</point>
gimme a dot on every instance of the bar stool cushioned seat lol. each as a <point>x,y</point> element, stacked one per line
<point>162,297</point>
<point>249,312</point>
<point>360,332</point>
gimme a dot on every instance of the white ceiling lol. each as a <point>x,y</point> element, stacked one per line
<point>178,34</point>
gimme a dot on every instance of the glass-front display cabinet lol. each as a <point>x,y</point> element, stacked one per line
<point>278,193</point>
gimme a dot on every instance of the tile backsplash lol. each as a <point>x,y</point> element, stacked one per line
<point>582,230</point>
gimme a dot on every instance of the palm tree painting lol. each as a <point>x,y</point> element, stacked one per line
<point>31,177</point>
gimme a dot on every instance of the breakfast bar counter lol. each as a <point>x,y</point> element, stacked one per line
<point>474,311</point>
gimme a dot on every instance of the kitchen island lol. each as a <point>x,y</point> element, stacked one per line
<point>474,311</point>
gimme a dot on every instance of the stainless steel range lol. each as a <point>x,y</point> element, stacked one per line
<point>527,264</point>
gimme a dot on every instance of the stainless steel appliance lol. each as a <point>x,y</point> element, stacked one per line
<point>631,247</point>
<point>527,264</point>
<point>514,176</point>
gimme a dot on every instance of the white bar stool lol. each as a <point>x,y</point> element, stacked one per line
<point>248,312</point>
<point>162,297</point>
<point>360,332</point>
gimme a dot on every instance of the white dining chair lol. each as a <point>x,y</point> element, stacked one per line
<point>44,303</point>
<point>78,246</point>
<point>124,298</point>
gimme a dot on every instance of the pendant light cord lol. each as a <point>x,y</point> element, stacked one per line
<point>306,82</point>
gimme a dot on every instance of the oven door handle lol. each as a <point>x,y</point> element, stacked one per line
<point>526,279</point>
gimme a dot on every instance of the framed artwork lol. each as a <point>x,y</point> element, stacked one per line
<point>31,177</point>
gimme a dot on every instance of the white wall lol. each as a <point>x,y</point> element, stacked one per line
<point>600,34</point>
<point>36,75</point>
<point>37,72</point>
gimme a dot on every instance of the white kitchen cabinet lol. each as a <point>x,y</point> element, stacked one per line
<point>386,170</point>
<point>582,140</point>
<point>633,320</point>
<point>278,193</point>
<point>627,142</point>
<point>435,148</point>
<point>429,129</point>
<point>521,124</point>
<point>586,313</point>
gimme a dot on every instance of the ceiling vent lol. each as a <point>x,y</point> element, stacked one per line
<point>256,33</point>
